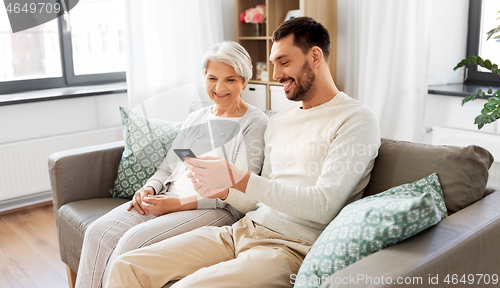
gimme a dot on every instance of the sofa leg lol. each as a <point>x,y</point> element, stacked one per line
<point>71,277</point>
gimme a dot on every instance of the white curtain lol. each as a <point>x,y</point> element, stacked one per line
<point>165,42</point>
<point>383,55</point>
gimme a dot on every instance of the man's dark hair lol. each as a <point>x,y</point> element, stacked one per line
<point>307,33</point>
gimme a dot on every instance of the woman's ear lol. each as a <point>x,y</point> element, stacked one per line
<point>245,85</point>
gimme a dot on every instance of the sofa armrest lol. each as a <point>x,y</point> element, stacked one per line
<point>84,173</point>
<point>464,243</point>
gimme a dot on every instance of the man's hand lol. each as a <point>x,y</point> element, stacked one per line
<point>213,176</point>
<point>137,199</point>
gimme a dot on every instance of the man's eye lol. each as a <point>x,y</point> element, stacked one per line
<point>284,63</point>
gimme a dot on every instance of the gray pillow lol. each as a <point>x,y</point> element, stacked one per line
<point>463,172</point>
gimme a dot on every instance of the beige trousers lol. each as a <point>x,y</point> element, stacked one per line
<point>242,255</point>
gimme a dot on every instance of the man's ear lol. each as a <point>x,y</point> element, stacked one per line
<point>317,56</point>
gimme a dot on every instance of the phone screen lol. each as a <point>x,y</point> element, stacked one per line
<point>183,153</point>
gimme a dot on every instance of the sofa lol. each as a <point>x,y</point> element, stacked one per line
<point>463,244</point>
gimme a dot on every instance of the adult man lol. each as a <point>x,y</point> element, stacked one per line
<point>318,158</point>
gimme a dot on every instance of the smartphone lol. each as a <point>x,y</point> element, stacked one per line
<point>183,153</point>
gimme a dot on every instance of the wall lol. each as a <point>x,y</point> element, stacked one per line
<point>50,118</point>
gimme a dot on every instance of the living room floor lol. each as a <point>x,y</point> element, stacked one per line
<point>29,252</point>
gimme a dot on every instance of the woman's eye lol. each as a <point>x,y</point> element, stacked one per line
<point>230,80</point>
<point>212,79</point>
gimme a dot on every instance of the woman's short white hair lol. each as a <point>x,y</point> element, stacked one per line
<point>232,54</point>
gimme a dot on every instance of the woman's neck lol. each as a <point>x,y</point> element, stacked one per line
<point>237,109</point>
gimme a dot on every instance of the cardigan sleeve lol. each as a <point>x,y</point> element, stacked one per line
<point>165,169</point>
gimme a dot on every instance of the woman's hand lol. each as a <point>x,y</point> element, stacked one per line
<point>137,199</point>
<point>162,204</point>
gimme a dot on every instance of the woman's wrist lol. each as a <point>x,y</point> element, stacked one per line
<point>188,203</point>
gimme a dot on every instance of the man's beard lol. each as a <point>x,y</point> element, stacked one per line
<point>303,84</point>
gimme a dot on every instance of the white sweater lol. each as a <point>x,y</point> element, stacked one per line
<point>316,161</point>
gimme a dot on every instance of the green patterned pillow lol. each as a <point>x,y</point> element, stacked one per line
<point>146,144</point>
<point>371,224</point>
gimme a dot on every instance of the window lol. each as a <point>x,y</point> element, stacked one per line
<point>482,18</point>
<point>85,47</point>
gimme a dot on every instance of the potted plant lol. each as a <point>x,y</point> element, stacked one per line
<point>491,111</point>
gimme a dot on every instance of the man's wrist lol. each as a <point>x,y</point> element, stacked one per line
<point>242,184</point>
<point>224,194</point>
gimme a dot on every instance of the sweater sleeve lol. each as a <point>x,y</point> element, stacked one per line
<point>341,172</point>
<point>249,156</point>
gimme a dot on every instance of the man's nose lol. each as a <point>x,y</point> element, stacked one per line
<point>277,73</point>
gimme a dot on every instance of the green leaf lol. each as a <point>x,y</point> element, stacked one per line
<point>487,64</point>
<point>494,99</point>
<point>468,98</point>
<point>480,121</point>
<point>492,32</point>
<point>486,111</point>
<point>496,113</point>
<point>462,63</point>
<point>490,91</point>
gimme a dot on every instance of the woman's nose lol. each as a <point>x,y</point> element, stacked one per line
<point>219,86</point>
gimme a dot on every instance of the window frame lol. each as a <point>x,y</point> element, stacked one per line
<point>472,73</point>
<point>68,78</point>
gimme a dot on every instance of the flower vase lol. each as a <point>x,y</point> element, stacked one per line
<point>257,30</point>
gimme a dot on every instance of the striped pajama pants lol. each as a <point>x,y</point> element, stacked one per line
<point>120,231</point>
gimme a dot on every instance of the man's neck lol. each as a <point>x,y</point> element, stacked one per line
<point>323,91</point>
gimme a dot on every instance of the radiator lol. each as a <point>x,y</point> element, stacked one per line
<point>463,138</point>
<point>23,165</point>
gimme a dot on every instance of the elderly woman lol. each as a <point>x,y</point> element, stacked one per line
<point>168,205</point>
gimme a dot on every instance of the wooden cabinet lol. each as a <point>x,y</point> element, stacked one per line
<point>259,47</point>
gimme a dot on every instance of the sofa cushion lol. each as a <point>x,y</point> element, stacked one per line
<point>146,143</point>
<point>72,220</point>
<point>463,172</point>
<point>371,224</point>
